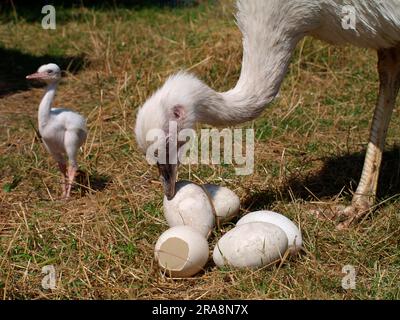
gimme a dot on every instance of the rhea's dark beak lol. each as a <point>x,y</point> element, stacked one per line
<point>168,174</point>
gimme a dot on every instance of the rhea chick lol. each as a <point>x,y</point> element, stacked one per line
<point>63,131</point>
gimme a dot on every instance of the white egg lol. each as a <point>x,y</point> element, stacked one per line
<point>251,245</point>
<point>292,231</point>
<point>190,206</point>
<point>181,251</point>
<point>225,201</point>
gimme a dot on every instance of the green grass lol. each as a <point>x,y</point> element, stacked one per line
<point>310,145</point>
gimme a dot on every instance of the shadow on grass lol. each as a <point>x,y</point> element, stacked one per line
<point>16,65</point>
<point>337,174</point>
<point>31,11</point>
<point>92,181</point>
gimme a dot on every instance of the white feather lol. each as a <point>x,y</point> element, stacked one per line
<point>63,131</point>
<point>271,30</point>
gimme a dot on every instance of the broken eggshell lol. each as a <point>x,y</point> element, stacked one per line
<point>181,251</point>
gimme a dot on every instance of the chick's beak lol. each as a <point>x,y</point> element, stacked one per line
<point>36,75</point>
<point>168,174</point>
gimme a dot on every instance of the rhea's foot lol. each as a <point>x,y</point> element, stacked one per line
<point>65,188</point>
<point>342,216</point>
<point>352,214</point>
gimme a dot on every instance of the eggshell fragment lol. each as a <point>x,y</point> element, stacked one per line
<point>225,201</point>
<point>181,251</point>
<point>251,245</point>
<point>190,206</point>
<point>293,233</point>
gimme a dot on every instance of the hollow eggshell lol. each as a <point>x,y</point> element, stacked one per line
<point>250,245</point>
<point>181,251</point>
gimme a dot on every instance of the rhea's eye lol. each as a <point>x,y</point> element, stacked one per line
<point>49,71</point>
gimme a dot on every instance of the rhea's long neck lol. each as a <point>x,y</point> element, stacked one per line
<point>46,104</point>
<point>268,44</point>
<point>258,85</point>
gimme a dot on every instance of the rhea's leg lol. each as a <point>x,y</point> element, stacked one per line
<point>72,141</point>
<point>389,76</point>
<point>63,168</point>
<point>70,179</point>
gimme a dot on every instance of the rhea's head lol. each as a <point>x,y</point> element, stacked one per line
<point>47,73</point>
<point>169,110</point>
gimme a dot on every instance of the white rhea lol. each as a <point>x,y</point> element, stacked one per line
<point>271,30</point>
<point>63,131</point>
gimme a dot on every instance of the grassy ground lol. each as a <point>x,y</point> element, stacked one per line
<point>309,153</point>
